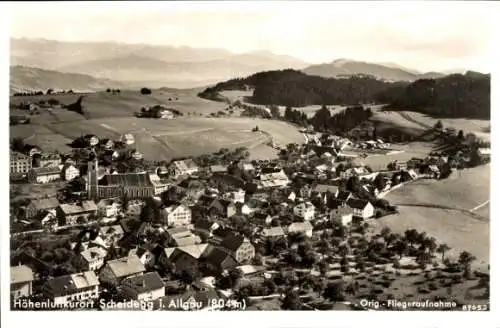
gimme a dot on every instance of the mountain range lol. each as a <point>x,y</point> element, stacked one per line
<point>387,72</point>
<point>92,64</point>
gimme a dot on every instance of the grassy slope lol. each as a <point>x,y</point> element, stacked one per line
<point>460,231</point>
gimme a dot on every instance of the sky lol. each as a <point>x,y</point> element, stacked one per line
<point>427,36</point>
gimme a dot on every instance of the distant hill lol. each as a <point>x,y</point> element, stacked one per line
<point>24,79</point>
<point>181,67</point>
<point>455,95</point>
<point>295,88</point>
<point>387,72</point>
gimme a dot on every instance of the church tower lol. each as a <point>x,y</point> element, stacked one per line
<point>92,176</point>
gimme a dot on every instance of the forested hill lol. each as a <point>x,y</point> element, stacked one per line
<point>294,88</point>
<point>455,95</point>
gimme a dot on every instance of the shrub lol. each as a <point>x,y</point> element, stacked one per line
<point>146,91</point>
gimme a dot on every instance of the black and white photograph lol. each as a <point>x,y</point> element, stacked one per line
<point>249,156</point>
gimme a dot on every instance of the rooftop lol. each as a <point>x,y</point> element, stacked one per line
<point>20,273</point>
<point>127,180</point>
<point>126,266</point>
<point>72,283</point>
<point>144,283</point>
<point>75,208</point>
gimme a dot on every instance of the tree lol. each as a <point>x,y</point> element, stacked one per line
<point>401,247</point>
<point>108,90</point>
<point>124,203</point>
<point>411,236</point>
<point>438,125</point>
<point>145,91</point>
<point>49,91</point>
<point>443,248</point>
<point>334,292</point>
<point>17,144</point>
<point>460,135</point>
<point>275,111</point>
<point>291,301</point>
<point>465,259</point>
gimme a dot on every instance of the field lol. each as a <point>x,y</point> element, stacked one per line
<point>408,151</point>
<point>166,139</point>
<point>125,104</point>
<point>419,204</point>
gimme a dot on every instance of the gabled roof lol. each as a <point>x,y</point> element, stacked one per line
<point>344,195</point>
<point>185,165</point>
<point>47,170</point>
<point>300,226</point>
<point>217,256</point>
<point>20,273</point>
<point>184,240</point>
<point>72,283</point>
<point>323,188</point>
<point>147,282</point>
<point>273,232</point>
<point>357,203</point>
<point>93,253</point>
<point>249,269</point>
<point>233,241</point>
<point>127,180</point>
<point>45,203</point>
<point>126,266</point>
<point>218,168</point>
<point>195,251</point>
<point>75,208</point>
<point>204,297</point>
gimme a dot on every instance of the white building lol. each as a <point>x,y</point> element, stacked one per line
<point>75,287</point>
<point>304,210</point>
<point>92,258</point>
<point>361,208</point>
<point>185,167</point>
<point>70,172</point>
<point>147,287</point>
<point>178,215</point>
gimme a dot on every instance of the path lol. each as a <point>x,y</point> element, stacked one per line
<point>479,206</point>
<point>469,212</point>
<point>411,119</point>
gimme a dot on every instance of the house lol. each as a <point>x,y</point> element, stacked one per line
<point>116,270</point>
<point>361,208</point>
<point>273,233</point>
<point>184,257</point>
<point>484,154</point>
<point>71,288</point>
<point>107,144</point>
<point>147,287</point>
<point>342,214</point>
<point>70,172</point>
<point>218,169</point>
<point>304,210</point>
<point>246,167</point>
<point>68,214</point>
<point>111,234</point>
<point>44,174</point>
<point>239,247</point>
<point>323,191</point>
<point>344,196</point>
<point>37,206</point>
<point>21,281</point>
<point>273,179</point>
<point>160,185</point>
<point>249,271</point>
<point>108,208</point>
<point>237,196</point>
<point>177,215</point>
<point>91,259</point>
<point>145,253</point>
<point>253,205</point>
<point>184,167</point>
<point>191,300</point>
<point>181,236</point>
<point>218,260</point>
<point>46,160</point>
<point>305,228</point>
<point>49,220</point>
<point>127,139</point>
<point>19,163</point>
<point>165,114</point>
<point>227,180</point>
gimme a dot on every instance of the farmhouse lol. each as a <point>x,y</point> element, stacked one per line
<point>46,160</point>
<point>44,174</point>
<point>177,215</point>
<point>64,290</point>
<point>361,208</point>
<point>19,163</point>
<point>301,227</point>
<point>239,247</point>
<point>304,210</point>
<point>37,206</point>
<point>21,281</point>
<point>185,167</point>
<point>116,270</point>
<point>91,259</point>
<point>147,287</point>
<point>68,214</point>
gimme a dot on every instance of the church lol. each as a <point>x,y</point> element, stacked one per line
<point>133,185</point>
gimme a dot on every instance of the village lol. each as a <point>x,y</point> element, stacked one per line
<point>216,232</point>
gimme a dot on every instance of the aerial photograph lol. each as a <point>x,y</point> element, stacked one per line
<point>242,156</point>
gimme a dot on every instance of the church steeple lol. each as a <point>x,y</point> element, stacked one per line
<point>93,176</point>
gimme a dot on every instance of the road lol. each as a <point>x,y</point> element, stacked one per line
<point>465,211</point>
